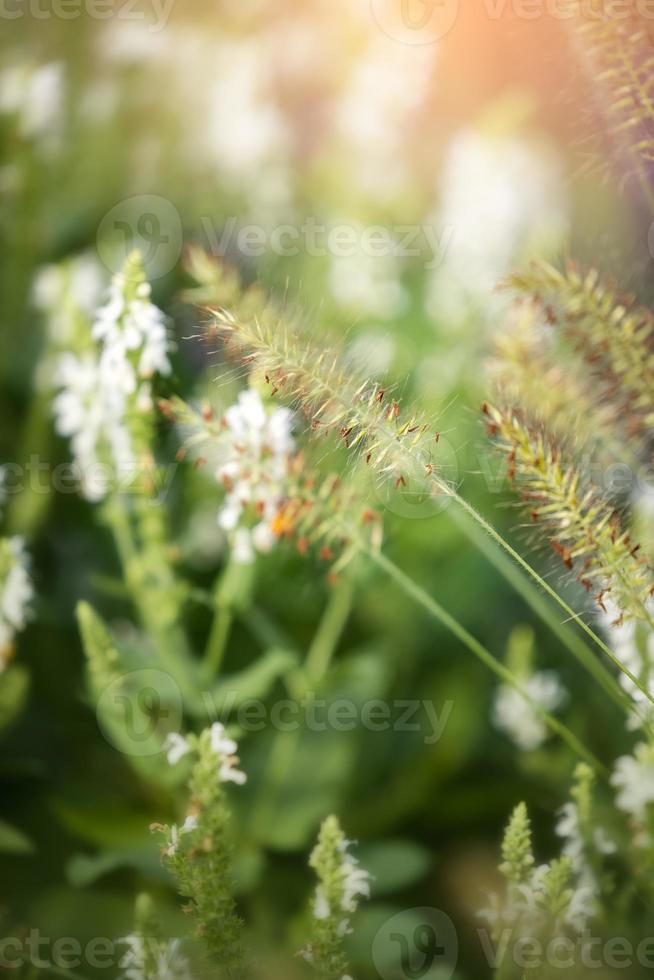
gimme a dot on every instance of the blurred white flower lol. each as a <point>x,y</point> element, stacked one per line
<point>225,749</point>
<point>16,593</point>
<point>354,883</point>
<point>633,778</point>
<point>136,962</point>
<point>633,644</point>
<point>36,95</point>
<point>372,352</point>
<point>375,116</point>
<point>176,747</point>
<point>368,284</point>
<point>131,325</point>
<point>526,905</point>
<point>244,128</point>
<point>499,199</point>
<point>576,848</point>
<point>514,714</point>
<point>108,378</point>
<point>255,455</point>
<point>80,413</point>
<point>76,284</point>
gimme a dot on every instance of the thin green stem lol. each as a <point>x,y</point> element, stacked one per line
<point>329,631</point>
<point>217,642</point>
<point>536,601</point>
<point>169,641</point>
<point>265,630</point>
<point>494,534</point>
<point>321,651</point>
<point>418,594</point>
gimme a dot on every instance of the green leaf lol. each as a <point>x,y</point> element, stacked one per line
<point>14,688</point>
<point>114,828</point>
<point>254,683</point>
<point>85,869</point>
<point>13,840</point>
<point>394,864</point>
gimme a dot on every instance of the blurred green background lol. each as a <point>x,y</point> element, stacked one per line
<point>186,129</point>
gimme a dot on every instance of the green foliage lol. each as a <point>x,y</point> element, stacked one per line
<point>518,858</point>
<point>571,514</point>
<point>14,691</point>
<point>340,881</point>
<point>200,859</point>
<point>556,887</point>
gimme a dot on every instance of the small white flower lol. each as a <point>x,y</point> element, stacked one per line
<point>633,778</point>
<point>321,908</point>
<point>582,907</point>
<point>221,744</point>
<point>514,715</point>
<point>35,93</point>
<point>356,883</point>
<point>226,748</point>
<point>16,592</point>
<point>176,747</point>
<point>256,452</point>
<point>189,824</point>
<point>170,964</point>
<point>568,827</point>
<point>100,388</point>
<point>633,645</point>
<point>263,538</point>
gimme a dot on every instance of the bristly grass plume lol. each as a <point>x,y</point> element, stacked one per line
<point>611,335</point>
<point>614,42</point>
<point>582,528</point>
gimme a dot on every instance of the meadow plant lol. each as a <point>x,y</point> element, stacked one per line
<point>16,590</point>
<point>342,884</point>
<point>572,378</point>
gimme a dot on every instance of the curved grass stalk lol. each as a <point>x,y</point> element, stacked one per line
<point>494,534</point>
<point>539,605</point>
<point>334,398</point>
<point>329,631</point>
<point>217,642</point>
<point>422,598</point>
<point>580,524</point>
